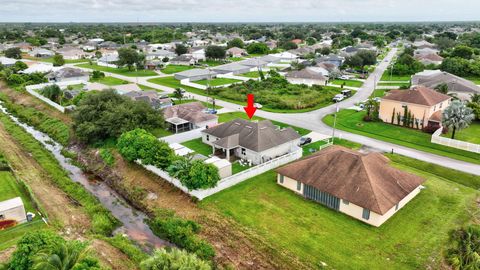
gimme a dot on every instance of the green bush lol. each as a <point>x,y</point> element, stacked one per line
<point>127,247</point>
<point>107,156</point>
<point>182,233</point>
<point>466,247</point>
<point>174,260</point>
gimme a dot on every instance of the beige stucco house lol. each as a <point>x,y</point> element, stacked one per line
<point>256,142</point>
<point>362,186</point>
<point>425,106</point>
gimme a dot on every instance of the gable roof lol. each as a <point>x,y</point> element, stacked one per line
<point>256,136</point>
<point>455,83</point>
<point>306,74</point>
<point>365,180</point>
<point>417,95</point>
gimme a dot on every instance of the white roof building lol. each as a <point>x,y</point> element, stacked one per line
<point>13,209</point>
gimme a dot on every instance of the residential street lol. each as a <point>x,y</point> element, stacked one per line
<point>313,120</point>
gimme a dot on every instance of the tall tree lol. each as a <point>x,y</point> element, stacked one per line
<point>236,42</point>
<point>215,52</point>
<point>66,257</point>
<point>128,57</point>
<point>457,116</point>
<point>58,60</point>
<point>13,53</point>
<point>178,94</point>
<point>181,49</point>
<point>442,88</point>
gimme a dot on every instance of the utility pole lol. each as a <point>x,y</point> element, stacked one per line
<point>334,121</point>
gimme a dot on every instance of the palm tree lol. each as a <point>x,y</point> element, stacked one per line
<point>178,94</point>
<point>442,88</point>
<point>65,258</point>
<point>371,106</point>
<point>457,116</point>
<point>475,98</point>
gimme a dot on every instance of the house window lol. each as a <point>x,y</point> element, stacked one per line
<point>396,207</point>
<point>299,185</point>
<point>281,179</point>
<point>435,108</point>
<point>244,151</point>
<point>366,214</point>
<point>345,202</point>
<point>441,105</point>
<point>208,138</point>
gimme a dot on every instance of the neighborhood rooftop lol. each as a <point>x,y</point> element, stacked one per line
<point>417,95</point>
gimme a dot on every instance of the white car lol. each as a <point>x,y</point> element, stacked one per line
<point>338,97</point>
<point>257,105</point>
<point>344,77</point>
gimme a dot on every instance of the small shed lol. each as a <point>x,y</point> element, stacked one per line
<point>224,166</point>
<point>13,209</point>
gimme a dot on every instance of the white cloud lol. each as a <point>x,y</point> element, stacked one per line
<point>234,11</point>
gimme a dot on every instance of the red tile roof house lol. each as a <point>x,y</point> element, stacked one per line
<point>363,186</point>
<point>297,41</point>
<point>424,104</point>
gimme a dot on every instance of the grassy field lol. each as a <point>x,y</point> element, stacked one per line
<point>198,146</point>
<point>351,121</point>
<point>50,59</point>
<point>217,81</point>
<point>351,83</point>
<point>386,77</point>
<point>414,238</point>
<point>206,104</point>
<point>251,74</point>
<point>170,69</point>
<point>9,189</point>
<point>393,84</point>
<point>378,93</point>
<point>476,80</point>
<point>225,117</point>
<point>237,167</point>
<point>313,147</point>
<point>211,63</point>
<point>120,71</point>
<point>108,80</point>
<point>470,134</point>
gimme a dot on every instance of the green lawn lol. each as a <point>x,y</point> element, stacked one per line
<point>313,147</point>
<point>351,121</point>
<point>470,134</point>
<point>198,146</point>
<point>206,104</point>
<point>351,83</point>
<point>414,238</point>
<point>174,83</point>
<point>161,132</point>
<point>393,84</point>
<point>476,80</point>
<point>225,117</point>
<point>9,189</point>
<point>386,77</point>
<point>378,93</point>
<point>50,59</point>
<point>217,81</point>
<point>237,167</point>
<point>251,74</point>
<point>108,80</point>
<point>170,69</point>
<point>211,63</point>
<point>121,71</point>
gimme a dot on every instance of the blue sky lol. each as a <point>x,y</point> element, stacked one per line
<point>237,11</point>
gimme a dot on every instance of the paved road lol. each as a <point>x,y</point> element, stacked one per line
<point>313,120</point>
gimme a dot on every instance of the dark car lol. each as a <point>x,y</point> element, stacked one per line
<point>305,140</point>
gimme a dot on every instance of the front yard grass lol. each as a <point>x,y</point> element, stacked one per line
<point>120,71</point>
<point>225,117</point>
<point>251,74</point>
<point>475,80</point>
<point>50,59</point>
<point>171,69</point>
<point>351,83</point>
<point>470,134</point>
<point>108,80</point>
<point>198,146</point>
<point>386,77</point>
<point>352,121</point>
<point>414,238</point>
<point>311,148</point>
<point>217,81</point>
<point>237,167</point>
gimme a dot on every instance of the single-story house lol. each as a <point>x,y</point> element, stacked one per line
<point>424,104</point>
<point>331,59</point>
<point>306,76</point>
<point>270,59</point>
<point>108,60</point>
<point>363,186</point>
<point>198,53</point>
<point>120,89</point>
<point>236,52</point>
<point>297,41</point>
<point>428,59</point>
<point>13,209</point>
<point>458,85</point>
<point>234,68</point>
<point>256,142</point>
<point>302,51</point>
<point>423,44</point>
<point>39,67</point>
<point>425,51</point>
<point>71,53</point>
<point>66,74</point>
<point>160,54</point>
<point>43,53</point>
<point>184,60</point>
<point>153,64</point>
<point>285,56</point>
<point>7,62</point>
<point>188,116</point>
<point>253,62</point>
<point>195,74</point>
<point>151,97</point>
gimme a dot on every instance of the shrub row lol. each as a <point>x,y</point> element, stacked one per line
<point>182,233</point>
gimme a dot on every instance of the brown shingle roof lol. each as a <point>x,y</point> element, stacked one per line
<point>192,112</point>
<point>363,179</point>
<point>436,116</point>
<point>251,135</point>
<point>417,95</point>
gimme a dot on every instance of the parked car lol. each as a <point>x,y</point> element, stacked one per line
<point>164,96</point>
<point>257,105</point>
<point>210,111</point>
<point>338,97</point>
<point>305,140</point>
<point>345,77</point>
<point>346,92</point>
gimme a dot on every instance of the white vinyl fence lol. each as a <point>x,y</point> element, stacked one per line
<point>471,147</point>
<point>32,89</point>
<point>231,180</point>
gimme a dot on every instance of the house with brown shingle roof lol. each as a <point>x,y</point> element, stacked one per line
<point>423,104</point>
<point>256,142</point>
<point>363,186</point>
<point>188,116</point>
